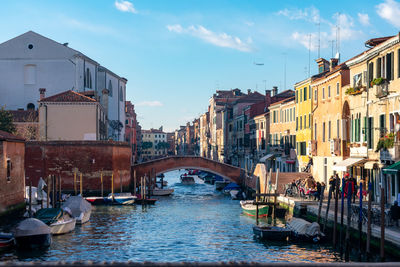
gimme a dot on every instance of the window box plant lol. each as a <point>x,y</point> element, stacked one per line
<point>354,90</point>
<point>378,81</point>
<point>385,142</point>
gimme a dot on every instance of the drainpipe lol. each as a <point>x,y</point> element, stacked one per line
<point>45,125</point>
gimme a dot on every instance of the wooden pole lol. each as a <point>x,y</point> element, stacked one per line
<point>53,203</point>
<point>360,222</point>
<point>341,219</point>
<point>369,221</point>
<point>41,193</point>
<point>275,196</point>
<point>30,199</point>
<point>120,180</point>
<point>257,212</point>
<point>382,224</point>
<point>59,187</point>
<point>112,187</point>
<point>349,197</point>
<point>257,197</point>
<point>48,192</point>
<point>321,197</point>
<point>134,182</point>
<point>81,185</point>
<point>75,189</point>
<point>336,192</point>
<point>330,192</point>
<point>102,186</point>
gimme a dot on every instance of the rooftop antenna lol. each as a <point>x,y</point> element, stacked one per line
<point>265,84</point>
<point>284,71</point>
<point>319,39</point>
<point>332,42</point>
<point>338,37</point>
<point>309,55</point>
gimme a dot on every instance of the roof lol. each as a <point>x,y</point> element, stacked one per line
<point>5,136</point>
<point>283,101</point>
<point>375,41</point>
<point>24,115</point>
<point>328,73</point>
<point>155,131</point>
<point>68,96</point>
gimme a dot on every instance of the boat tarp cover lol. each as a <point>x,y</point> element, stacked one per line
<point>232,186</point>
<point>77,205</point>
<point>31,226</point>
<point>302,227</point>
<point>49,215</point>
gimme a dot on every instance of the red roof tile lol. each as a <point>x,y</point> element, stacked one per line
<point>68,96</point>
<point>5,136</point>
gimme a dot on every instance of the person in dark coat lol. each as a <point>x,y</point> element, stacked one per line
<point>395,213</point>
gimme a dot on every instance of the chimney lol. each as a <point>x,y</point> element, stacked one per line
<point>333,63</point>
<point>274,90</point>
<point>323,65</point>
<point>248,91</point>
<point>42,92</point>
<point>267,98</point>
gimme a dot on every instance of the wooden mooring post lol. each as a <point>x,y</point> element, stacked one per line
<point>75,188</point>
<point>48,192</point>
<point>330,192</point>
<point>347,247</point>
<point>81,185</point>
<point>360,218</point>
<point>369,221</point>
<point>134,183</point>
<point>53,202</point>
<point>112,187</point>
<point>382,254</point>
<point>59,191</point>
<point>257,197</point>
<point>341,220</point>
<point>336,192</point>
<point>321,198</point>
<point>101,181</point>
<point>30,198</point>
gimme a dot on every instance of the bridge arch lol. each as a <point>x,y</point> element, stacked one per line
<point>234,174</point>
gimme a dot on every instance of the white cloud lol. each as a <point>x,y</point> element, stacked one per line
<point>310,14</point>
<point>389,10</point>
<point>249,23</point>
<point>346,24</point>
<point>125,6</point>
<point>86,26</point>
<point>304,39</point>
<point>218,39</point>
<point>364,19</point>
<point>150,104</point>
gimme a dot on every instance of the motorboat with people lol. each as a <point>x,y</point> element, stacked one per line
<point>79,207</point>
<point>60,221</point>
<point>187,180</point>
<point>32,233</point>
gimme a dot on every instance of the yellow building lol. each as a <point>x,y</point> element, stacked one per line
<point>304,121</point>
<point>283,135</point>
<point>154,143</point>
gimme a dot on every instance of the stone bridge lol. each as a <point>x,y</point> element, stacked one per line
<point>171,163</point>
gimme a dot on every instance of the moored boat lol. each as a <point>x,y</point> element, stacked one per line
<point>122,198</point>
<point>250,209</point>
<point>7,241</point>
<point>162,191</point>
<point>60,221</point>
<point>32,233</point>
<point>79,207</point>
<point>303,230</point>
<point>98,200</point>
<point>272,233</point>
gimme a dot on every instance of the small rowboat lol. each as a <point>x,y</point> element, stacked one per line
<point>98,200</point>
<point>32,233</point>
<point>122,198</point>
<point>271,233</point>
<point>250,209</point>
<point>7,241</point>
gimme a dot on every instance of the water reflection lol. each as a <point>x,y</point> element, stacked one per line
<point>196,223</point>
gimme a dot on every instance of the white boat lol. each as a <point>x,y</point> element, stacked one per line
<point>187,180</point>
<point>80,208</point>
<point>162,191</point>
<point>60,221</point>
<point>32,233</point>
<point>122,198</point>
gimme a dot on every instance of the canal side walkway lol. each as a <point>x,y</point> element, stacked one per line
<point>311,207</point>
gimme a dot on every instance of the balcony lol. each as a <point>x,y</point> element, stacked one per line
<point>392,154</point>
<point>382,90</point>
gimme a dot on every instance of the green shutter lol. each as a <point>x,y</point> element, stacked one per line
<point>365,129</point>
<point>351,134</point>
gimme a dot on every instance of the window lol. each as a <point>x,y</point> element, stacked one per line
<point>8,169</point>
<point>301,122</point>
<point>337,128</point>
<point>297,124</point>
<point>309,120</point>
<point>296,96</point>
<point>121,94</point>
<point>323,132</point>
<point>310,92</point>
<point>379,68</point>
<point>87,79</point>
<point>382,125</point>
<point>110,89</point>
<point>315,95</point>
<point>337,89</point>
<point>329,130</point>
<point>30,74</point>
<point>357,80</point>
<point>329,91</point>
<point>323,93</point>
<point>305,93</point>
<point>30,106</point>
<point>305,121</point>
<point>301,95</point>
<point>370,73</point>
<point>302,148</point>
<point>315,131</point>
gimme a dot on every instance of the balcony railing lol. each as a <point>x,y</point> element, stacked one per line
<point>392,154</point>
<point>358,150</point>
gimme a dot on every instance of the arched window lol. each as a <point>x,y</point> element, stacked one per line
<point>121,94</point>
<point>110,90</point>
<point>30,106</point>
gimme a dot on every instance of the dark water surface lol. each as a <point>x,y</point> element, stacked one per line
<point>197,223</point>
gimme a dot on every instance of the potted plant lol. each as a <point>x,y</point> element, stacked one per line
<point>378,81</point>
<point>385,142</point>
<point>354,90</point>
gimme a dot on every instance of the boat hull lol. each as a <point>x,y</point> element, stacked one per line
<point>83,218</point>
<point>163,192</point>
<point>63,227</point>
<point>98,200</point>
<point>272,233</point>
<point>33,241</point>
<point>251,209</point>
<point>7,241</point>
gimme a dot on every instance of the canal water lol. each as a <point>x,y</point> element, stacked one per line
<point>196,223</point>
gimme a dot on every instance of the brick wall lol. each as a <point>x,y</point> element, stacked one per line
<point>12,190</point>
<point>91,158</point>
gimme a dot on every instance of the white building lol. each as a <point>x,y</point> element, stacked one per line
<point>31,61</point>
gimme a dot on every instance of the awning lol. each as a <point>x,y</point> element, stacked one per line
<point>369,165</point>
<point>392,169</point>
<point>343,165</point>
<point>264,159</point>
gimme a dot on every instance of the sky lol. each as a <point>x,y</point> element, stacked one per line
<point>176,54</point>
